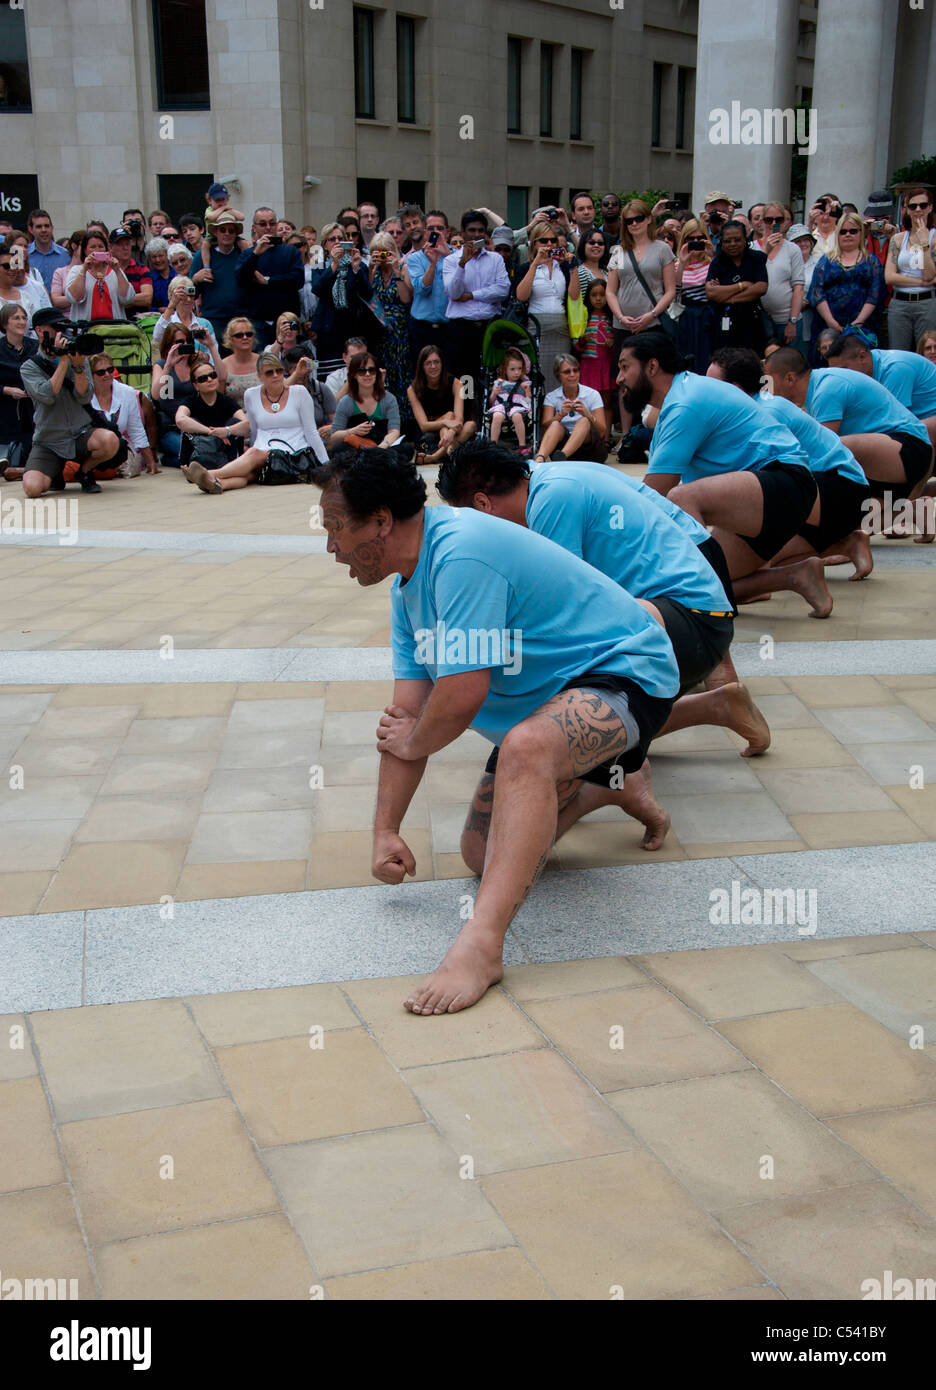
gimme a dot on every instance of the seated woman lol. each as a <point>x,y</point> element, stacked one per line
<point>437,400</point>
<point>171,387</point>
<point>16,347</point>
<point>368,414</point>
<point>181,309</point>
<point>213,421</point>
<point>573,417</point>
<point>120,404</point>
<point>278,415</point>
<point>241,362</point>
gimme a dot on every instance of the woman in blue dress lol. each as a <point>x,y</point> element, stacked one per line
<point>848,283</point>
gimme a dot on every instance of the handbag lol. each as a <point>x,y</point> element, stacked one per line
<point>577,315</point>
<point>209,451</point>
<point>287,466</point>
<point>666,323</point>
<point>676,308</point>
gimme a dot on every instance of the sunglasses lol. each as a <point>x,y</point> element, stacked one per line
<point>630,221</point>
<point>549,241</point>
<point>4,265</point>
<point>918,207</point>
<point>206,376</point>
<point>242,335</point>
<point>849,231</point>
<point>274,371</point>
<point>105,371</point>
<point>366,371</point>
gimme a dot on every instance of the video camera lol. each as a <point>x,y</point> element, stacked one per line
<point>76,339</point>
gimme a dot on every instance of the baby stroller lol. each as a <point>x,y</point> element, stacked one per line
<point>128,347</point>
<point>500,335</point>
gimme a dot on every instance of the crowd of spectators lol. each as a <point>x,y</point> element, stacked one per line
<point>382,324</point>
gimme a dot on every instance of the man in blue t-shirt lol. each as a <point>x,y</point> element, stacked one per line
<point>630,533</point>
<point>496,629</point>
<point>911,379</point>
<point>891,445</point>
<point>733,468</point>
<point>836,532</point>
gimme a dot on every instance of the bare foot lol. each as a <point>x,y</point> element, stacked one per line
<point>927,538</point>
<point>741,715</point>
<point>856,550</point>
<point>636,799</point>
<point>813,587</point>
<point>471,965</point>
<point>758,598</point>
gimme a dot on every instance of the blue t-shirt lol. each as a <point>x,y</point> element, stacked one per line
<point>221,297</point>
<point>708,427</point>
<point>487,594</point>
<point>862,404</point>
<point>823,448</point>
<point>591,511</point>
<point>909,377</point>
<point>429,305</point>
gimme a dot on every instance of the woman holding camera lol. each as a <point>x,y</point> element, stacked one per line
<point>783,302</point>
<point>544,284</point>
<point>693,258</point>
<point>181,309</point>
<point>278,415</point>
<point>96,286</point>
<point>342,289</point>
<point>391,296</point>
<point>823,220</point>
<point>171,387</point>
<point>288,329</point>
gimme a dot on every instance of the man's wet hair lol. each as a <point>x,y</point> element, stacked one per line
<point>741,366</point>
<point>479,465</point>
<point>787,359</point>
<point>654,344</point>
<point>373,478</point>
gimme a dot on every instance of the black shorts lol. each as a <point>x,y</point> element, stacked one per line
<point>699,640</point>
<point>916,457</point>
<point>841,510</point>
<point>716,558</point>
<point>634,707</point>
<point>789,496</point>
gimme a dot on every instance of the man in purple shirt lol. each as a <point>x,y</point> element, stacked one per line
<point>477,286</point>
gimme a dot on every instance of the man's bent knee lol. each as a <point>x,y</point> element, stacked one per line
<point>35,484</point>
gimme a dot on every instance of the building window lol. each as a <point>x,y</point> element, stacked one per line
<point>656,120</point>
<point>180,45</point>
<point>514,86</point>
<point>364,63</point>
<point>518,202</point>
<point>182,193</point>
<point>575,96</point>
<point>547,53</point>
<point>412,191</point>
<point>406,68</point>
<point>372,191</point>
<point>684,106</point>
<point>14,70</point>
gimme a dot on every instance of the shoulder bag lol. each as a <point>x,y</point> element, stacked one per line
<point>287,465</point>
<point>667,324</point>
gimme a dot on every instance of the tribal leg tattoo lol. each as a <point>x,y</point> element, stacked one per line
<point>592,730</point>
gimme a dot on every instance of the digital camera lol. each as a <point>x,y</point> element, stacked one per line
<point>76,340</point>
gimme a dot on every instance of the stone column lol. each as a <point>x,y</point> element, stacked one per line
<point>846,94</point>
<point>746,56</point>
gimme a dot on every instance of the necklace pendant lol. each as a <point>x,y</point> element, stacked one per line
<point>274,406</point>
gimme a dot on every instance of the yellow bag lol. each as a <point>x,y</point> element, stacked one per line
<point>577,315</point>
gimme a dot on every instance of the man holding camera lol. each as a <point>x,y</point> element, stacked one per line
<point>718,208</point>
<point>421,271</point>
<point>270,275</point>
<point>477,285</point>
<point>59,385</point>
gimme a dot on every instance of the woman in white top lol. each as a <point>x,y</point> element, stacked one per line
<point>783,302</point>
<point>181,309</point>
<point>823,220</point>
<point>121,405</point>
<point>96,286</point>
<point>910,270</point>
<point>573,415</point>
<point>28,295</point>
<point>280,416</point>
<point>544,284</point>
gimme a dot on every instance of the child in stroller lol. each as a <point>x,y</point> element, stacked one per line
<point>510,397</point>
